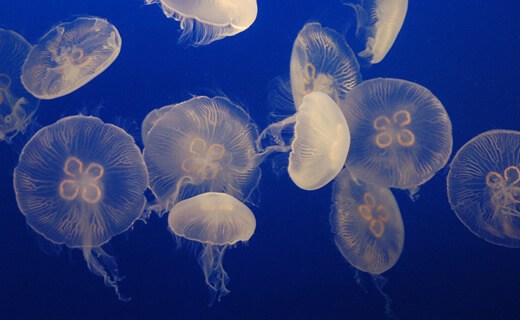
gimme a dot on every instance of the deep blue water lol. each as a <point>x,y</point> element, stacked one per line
<point>466,52</point>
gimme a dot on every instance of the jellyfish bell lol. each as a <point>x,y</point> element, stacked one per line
<point>217,221</point>
<point>151,118</point>
<point>79,182</point>
<point>205,21</point>
<point>69,56</point>
<point>484,186</point>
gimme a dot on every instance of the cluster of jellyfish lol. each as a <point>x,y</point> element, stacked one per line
<point>80,181</point>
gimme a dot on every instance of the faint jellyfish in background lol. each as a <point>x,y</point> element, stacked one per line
<point>401,133</point>
<point>17,106</point>
<point>216,221</point>
<point>319,145</point>
<point>379,23</point>
<point>79,182</point>
<point>69,56</point>
<point>322,61</point>
<point>484,186</point>
<point>205,21</point>
<point>201,145</point>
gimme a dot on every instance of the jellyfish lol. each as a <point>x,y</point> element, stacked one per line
<point>401,133</point>
<point>484,186</point>
<point>366,223</point>
<point>79,182</point>
<point>201,145</point>
<point>320,142</point>
<point>151,118</point>
<point>216,221</point>
<point>379,23</point>
<point>69,56</point>
<point>322,61</point>
<point>205,21</point>
<point>17,106</point>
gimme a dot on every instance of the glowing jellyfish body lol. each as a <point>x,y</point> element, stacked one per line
<point>69,56</point>
<point>217,221</point>
<point>484,186</point>
<point>205,21</point>
<point>79,182</point>
<point>367,224</point>
<point>202,145</point>
<point>379,23</point>
<point>322,61</point>
<point>17,106</point>
<point>401,133</point>
<point>151,118</point>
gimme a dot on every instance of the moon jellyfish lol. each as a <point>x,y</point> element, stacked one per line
<point>484,186</point>
<point>401,133</point>
<point>201,145</point>
<point>17,106</point>
<point>320,144</point>
<point>217,221</point>
<point>322,61</point>
<point>205,21</point>
<point>79,182</point>
<point>69,56</point>
<point>379,23</point>
<point>367,224</point>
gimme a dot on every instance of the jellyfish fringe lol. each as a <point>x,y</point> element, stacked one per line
<point>210,261</point>
<point>379,282</point>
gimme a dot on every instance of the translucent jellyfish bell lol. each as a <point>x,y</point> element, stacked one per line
<point>79,182</point>
<point>69,56</point>
<point>217,221</point>
<point>205,21</point>
<point>367,224</point>
<point>202,145</point>
<point>379,23</point>
<point>484,186</point>
<point>322,61</point>
<point>401,133</point>
<point>17,106</point>
<point>320,144</point>
<point>152,118</point>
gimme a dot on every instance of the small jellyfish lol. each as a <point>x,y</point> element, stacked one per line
<point>367,224</point>
<point>69,56</point>
<point>322,61</point>
<point>17,106</point>
<point>401,133</point>
<point>320,144</point>
<point>217,221</point>
<point>201,145</point>
<point>484,186</point>
<point>205,21</point>
<point>379,23</point>
<point>79,182</point>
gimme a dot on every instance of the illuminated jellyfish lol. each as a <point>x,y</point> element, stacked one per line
<point>484,186</point>
<point>320,143</point>
<point>322,61</point>
<point>217,221</point>
<point>367,224</point>
<point>17,106</point>
<point>379,23</point>
<point>69,56</point>
<point>79,182</point>
<point>205,21</point>
<point>401,133</point>
<point>201,145</point>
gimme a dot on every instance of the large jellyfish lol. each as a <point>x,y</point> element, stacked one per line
<point>217,221</point>
<point>17,106</point>
<point>69,56</point>
<point>198,146</point>
<point>484,186</point>
<point>401,133</point>
<point>322,61</point>
<point>379,23</point>
<point>79,182</point>
<point>319,145</point>
<point>205,21</point>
